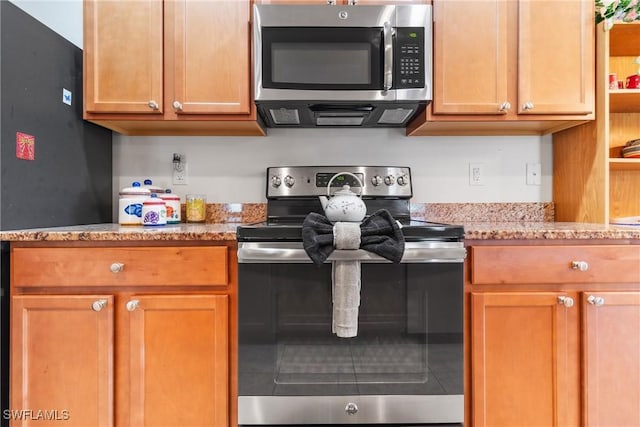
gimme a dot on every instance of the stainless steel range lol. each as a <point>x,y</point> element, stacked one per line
<point>405,364</point>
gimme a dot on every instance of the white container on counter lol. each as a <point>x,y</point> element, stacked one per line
<point>130,204</point>
<point>173,207</point>
<point>154,211</point>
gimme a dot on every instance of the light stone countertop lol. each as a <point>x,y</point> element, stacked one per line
<point>227,231</point>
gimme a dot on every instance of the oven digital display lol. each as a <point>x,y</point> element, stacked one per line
<point>322,179</point>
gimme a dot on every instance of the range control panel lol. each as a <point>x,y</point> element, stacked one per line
<point>306,181</point>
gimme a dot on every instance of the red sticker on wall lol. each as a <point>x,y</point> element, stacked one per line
<point>25,146</point>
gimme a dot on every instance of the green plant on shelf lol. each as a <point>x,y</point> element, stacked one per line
<point>611,11</point>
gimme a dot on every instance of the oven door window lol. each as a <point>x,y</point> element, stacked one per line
<point>322,58</point>
<point>409,339</point>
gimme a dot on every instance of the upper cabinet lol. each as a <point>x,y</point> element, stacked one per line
<point>510,67</point>
<point>182,67</point>
<point>593,182</point>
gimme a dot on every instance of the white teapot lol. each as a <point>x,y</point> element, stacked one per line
<point>345,205</point>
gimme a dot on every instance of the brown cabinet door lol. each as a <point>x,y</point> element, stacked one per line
<point>611,358</point>
<point>490,55</point>
<point>211,56</point>
<point>178,358</point>
<point>123,56</point>
<point>556,60</point>
<point>62,360</point>
<point>470,57</point>
<point>520,359</point>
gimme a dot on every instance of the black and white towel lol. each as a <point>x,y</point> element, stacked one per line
<point>379,233</point>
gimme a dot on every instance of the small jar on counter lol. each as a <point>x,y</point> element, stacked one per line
<point>173,207</point>
<point>154,211</point>
<point>196,208</point>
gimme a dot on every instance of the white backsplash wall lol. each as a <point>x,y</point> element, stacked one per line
<point>232,169</point>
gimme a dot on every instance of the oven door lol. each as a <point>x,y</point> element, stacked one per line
<point>404,366</point>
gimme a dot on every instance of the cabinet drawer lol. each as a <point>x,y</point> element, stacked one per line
<point>123,266</point>
<point>555,264</point>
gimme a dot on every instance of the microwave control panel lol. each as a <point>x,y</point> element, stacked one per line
<point>409,58</point>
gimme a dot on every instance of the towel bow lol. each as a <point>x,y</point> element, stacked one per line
<point>379,234</point>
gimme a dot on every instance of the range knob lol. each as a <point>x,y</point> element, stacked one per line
<point>289,181</point>
<point>276,181</point>
<point>376,180</point>
<point>389,179</point>
<point>403,180</point>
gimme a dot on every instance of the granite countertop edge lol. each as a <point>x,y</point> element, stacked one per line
<point>227,232</point>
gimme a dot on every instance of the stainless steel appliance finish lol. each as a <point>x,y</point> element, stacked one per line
<point>380,181</point>
<point>342,65</point>
<point>404,367</point>
<point>270,410</point>
<point>293,252</point>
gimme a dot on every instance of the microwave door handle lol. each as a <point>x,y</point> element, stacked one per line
<point>387,33</point>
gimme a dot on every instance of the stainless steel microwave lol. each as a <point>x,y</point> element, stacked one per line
<point>334,65</point>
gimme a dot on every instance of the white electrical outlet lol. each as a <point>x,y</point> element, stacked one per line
<point>476,173</point>
<point>534,174</point>
<point>179,169</point>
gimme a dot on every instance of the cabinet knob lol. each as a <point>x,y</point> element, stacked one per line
<point>352,2</point>
<point>153,105</point>
<point>133,304</point>
<point>580,265</point>
<point>177,106</point>
<point>116,267</point>
<point>527,105</point>
<point>594,300</point>
<point>566,301</point>
<point>506,106</point>
<point>331,2</point>
<point>99,305</point>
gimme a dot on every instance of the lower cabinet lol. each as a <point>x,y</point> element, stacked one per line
<point>611,368</point>
<point>123,356</point>
<point>551,351</point>
<point>520,359</point>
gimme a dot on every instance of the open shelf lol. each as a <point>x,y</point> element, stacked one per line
<point>619,164</point>
<point>624,39</point>
<point>624,100</point>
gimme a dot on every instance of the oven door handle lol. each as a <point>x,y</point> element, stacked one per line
<point>248,253</point>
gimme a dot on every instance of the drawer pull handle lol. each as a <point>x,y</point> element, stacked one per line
<point>580,265</point>
<point>99,305</point>
<point>594,300</point>
<point>133,304</point>
<point>566,301</point>
<point>116,267</point>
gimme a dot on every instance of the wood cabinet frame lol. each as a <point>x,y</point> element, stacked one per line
<point>114,402</point>
<point>582,345</point>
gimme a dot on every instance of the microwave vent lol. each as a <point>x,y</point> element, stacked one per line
<point>395,116</point>
<point>285,116</point>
